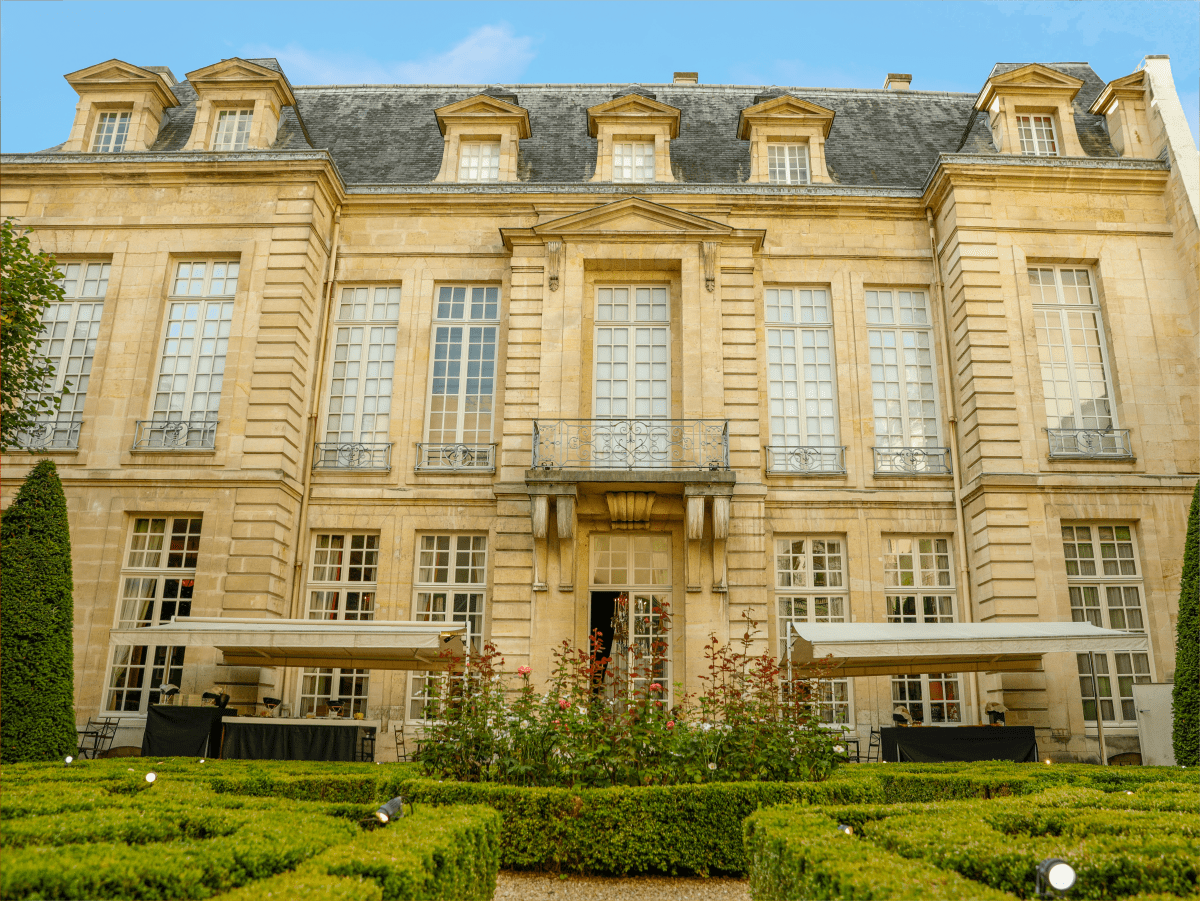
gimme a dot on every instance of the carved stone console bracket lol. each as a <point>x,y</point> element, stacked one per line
<point>721,505</point>
<point>708,256</point>
<point>554,253</point>
<point>630,510</point>
<point>565,505</point>
<point>694,533</point>
<point>695,500</point>
<point>540,513</point>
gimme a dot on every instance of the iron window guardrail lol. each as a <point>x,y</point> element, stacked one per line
<point>456,458</point>
<point>1113,444</point>
<point>353,455</point>
<point>175,434</point>
<point>50,436</point>
<point>912,461</point>
<point>808,460</point>
<point>629,444</point>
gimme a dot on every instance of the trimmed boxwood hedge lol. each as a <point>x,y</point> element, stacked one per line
<point>37,693</point>
<point>1185,694</point>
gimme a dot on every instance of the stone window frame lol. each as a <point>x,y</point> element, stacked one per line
<point>117,86</point>
<point>788,146</point>
<point>1031,90</point>
<point>488,170</point>
<point>633,117</point>
<point>481,119</point>
<point>786,119</point>
<point>797,325</point>
<point>373,307</point>
<point>123,116</point>
<point>228,135</point>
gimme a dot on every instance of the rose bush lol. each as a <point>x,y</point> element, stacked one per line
<point>597,724</point>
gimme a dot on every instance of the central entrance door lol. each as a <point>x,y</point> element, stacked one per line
<point>630,607</point>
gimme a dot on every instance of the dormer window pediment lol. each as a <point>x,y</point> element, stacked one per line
<point>482,136</point>
<point>240,95</point>
<point>633,135</point>
<point>120,108</point>
<point>787,140</point>
<point>1029,103</point>
<point>1123,105</point>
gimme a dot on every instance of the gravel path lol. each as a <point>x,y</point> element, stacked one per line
<point>511,886</point>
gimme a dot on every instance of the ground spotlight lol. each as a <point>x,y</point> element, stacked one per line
<point>150,777</point>
<point>1054,876</point>
<point>389,811</point>
<point>69,760</point>
<point>845,830</point>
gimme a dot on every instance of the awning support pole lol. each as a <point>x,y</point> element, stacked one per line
<point>1099,711</point>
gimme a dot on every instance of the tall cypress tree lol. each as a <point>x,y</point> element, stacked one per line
<point>1185,696</point>
<point>37,702</point>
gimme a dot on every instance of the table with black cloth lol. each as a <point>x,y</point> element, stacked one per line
<point>930,744</point>
<point>277,738</point>
<point>183,731</point>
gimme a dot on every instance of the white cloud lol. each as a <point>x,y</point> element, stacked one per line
<point>489,54</point>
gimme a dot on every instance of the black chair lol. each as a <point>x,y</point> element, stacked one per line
<point>97,736</point>
<point>401,746</point>
<point>366,746</point>
<point>873,747</point>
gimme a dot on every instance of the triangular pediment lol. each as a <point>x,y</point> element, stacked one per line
<point>242,73</point>
<point>116,77</point>
<point>1031,78</point>
<point>785,109</point>
<point>483,107</point>
<point>632,215</point>
<point>634,106</point>
<point>1129,87</point>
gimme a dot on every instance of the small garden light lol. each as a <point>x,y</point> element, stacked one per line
<point>69,760</point>
<point>390,810</point>
<point>845,829</point>
<point>150,777</point>
<point>1054,875</point>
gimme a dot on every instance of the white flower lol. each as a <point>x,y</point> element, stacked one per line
<point>712,766</point>
<point>838,749</point>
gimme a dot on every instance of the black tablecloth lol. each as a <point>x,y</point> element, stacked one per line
<point>183,731</point>
<point>251,740</point>
<point>930,744</point>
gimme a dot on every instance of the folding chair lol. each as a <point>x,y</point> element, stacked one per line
<point>366,746</point>
<point>873,747</point>
<point>97,736</point>
<point>401,747</point>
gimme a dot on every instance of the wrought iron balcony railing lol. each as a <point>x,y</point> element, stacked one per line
<point>456,458</point>
<point>629,444</point>
<point>1111,444</point>
<point>358,455</point>
<point>175,434</point>
<point>50,436</point>
<point>811,460</point>
<point>912,461</point>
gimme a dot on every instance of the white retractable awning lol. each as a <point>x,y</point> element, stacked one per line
<point>887,649</point>
<point>375,644</point>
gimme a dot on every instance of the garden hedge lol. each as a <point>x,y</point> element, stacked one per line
<point>37,700</point>
<point>1185,694</point>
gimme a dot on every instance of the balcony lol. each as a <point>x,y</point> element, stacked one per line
<point>353,455</point>
<point>1101,444</point>
<point>912,461</point>
<point>51,435</point>
<point>456,458</point>
<point>812,461</point>
<point>631,444</point>
<point>175,434</point>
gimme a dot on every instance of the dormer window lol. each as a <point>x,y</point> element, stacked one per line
<point>233,129</point>
<point>111,131</point>
<point>787,164</point>
<point>479,161</point>
<point>633,161</point>
<point>1037,135</point>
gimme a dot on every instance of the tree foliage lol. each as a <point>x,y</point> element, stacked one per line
<point>26,377</point>
<point>37,706</point>
<point>1185,696</point>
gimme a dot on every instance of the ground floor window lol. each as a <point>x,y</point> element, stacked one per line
<point>930,699</point>
<point>136,673</point>
<point>1117,708</point>
<point>322,687</point>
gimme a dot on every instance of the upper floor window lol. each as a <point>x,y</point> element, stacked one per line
<point>111,132</point>
<point>479,161</point>
<point>158,583</point>
<point>787,164</point>
<point>633,161</point>
<point>1037,135</point>
<point>233,129</point>
<point>462,380</point>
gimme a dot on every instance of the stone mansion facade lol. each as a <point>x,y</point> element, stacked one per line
<point>544,358</point>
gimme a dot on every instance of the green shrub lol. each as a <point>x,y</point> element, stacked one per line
<point>308,883</point>
<point>798,853</point>
<point>1185,694</point>
<point>37,701</point>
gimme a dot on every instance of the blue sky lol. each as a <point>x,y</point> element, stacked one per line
<point>946,46</point>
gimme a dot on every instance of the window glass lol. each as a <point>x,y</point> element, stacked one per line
<point>233,129</point>
<point>111,131</point>
<point>787,164</point>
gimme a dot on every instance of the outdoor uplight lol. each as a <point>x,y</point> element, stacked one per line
<point>70,760</point>
<point>389,811</point>
<point>150,777</point>
<point>1055,874</point>
<point>845,829</point>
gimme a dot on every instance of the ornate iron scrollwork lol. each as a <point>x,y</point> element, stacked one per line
<point>353,455</point>
<point>456,457</point>
<point>176,434</point>
<point>1112,443</point>
<point>912,460</point>
<point>782,459</point>
<point>631,444</point>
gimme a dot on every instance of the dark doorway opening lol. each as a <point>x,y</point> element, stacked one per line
<point>603,608</point>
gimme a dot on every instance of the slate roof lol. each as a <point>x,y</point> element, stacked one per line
<point>387,134</point>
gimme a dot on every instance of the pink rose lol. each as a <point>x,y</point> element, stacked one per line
<point>671,725</point>
<point>655,687</point>
<point>562,703</point>
<point>524,670</point>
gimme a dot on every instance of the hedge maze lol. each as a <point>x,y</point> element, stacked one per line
<point>297,830</point>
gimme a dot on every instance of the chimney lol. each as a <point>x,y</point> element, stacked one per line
<point>166,73</point>
<point>686,78</point>
<point>897,81</point>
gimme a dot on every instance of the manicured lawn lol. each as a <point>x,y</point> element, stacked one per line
<point>98,829</point>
